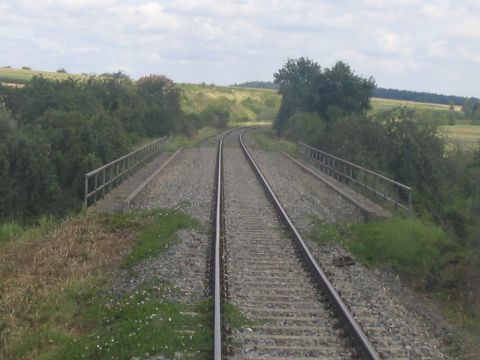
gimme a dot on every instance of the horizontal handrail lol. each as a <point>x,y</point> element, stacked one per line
<point>124,157</point>
<point>108,176</point>
<point>381,186</point>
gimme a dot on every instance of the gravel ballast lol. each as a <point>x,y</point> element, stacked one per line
<point>185,185</point>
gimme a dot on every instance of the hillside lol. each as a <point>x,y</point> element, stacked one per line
<point>243,104</point>
<point>23,76</point>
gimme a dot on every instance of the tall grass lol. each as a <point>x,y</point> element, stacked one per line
<point>417,250</point>
<point>13,230</point>
<point>174,142</point>
<point>158,236</point>
<point>266,139</point>
<point>9,231</point>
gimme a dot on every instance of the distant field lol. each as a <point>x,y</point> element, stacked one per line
<point>385,104</point>
<point>244,104</point>
<point>465,136</point>
<point>21,76</point>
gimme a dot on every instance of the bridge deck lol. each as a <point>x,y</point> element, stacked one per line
<point>115,200</point>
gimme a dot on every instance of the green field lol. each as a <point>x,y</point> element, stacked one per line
<point>21,76</point>
<point>465,136</point>
<point>385,104</point>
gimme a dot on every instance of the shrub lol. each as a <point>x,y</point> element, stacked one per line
<point>215,115</point>
<point>416,249</point>
<point>306,127</point>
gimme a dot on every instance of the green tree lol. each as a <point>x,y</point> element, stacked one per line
<point>331,92</point>
<point>340,90</point>
<point>296,81</point>
<point>162,98</point>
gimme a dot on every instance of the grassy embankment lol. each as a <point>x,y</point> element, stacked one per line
<point>55,302</point>
<point>244,105</point>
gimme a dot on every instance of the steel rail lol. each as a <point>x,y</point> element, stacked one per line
<point>217,282</point>
<point>352,325</point>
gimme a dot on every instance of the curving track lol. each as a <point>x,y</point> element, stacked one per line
<point>263,267</point>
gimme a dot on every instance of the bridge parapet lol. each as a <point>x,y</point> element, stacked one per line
<point>101,181</point>
<point>359,178</point>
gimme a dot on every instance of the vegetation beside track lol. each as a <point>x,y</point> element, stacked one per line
<point>427,259</point>
<point>55,301</point>
<point>266,139</point>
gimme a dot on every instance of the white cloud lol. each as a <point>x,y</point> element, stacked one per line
<point>469,28</point>
<point>228,41</point>
<point>392,42</point>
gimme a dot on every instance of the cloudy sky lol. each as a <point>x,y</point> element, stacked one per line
<point>406,44</point>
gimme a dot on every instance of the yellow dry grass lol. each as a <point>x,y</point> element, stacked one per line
<point>21,76</point>
<point>33,268</point>
<point>241,102</point>
<point>464,136</point>
<point>383,104</point>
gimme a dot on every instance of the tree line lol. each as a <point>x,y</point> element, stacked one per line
<point>422,96</point>
<point>52,132</point>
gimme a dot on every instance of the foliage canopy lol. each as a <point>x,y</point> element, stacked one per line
<point>53,132</point>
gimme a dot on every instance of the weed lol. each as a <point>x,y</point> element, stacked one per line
<point>415,249</point>
<point>143,322</point>
<point>266,139</point>
<point>175,142</point>
<point>9,231</point>
<point>158,236</point>
<point>233,317</point>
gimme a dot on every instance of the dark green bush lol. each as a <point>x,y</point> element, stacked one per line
<point>53,132</point>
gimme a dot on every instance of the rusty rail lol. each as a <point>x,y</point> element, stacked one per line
<point>101,181</point>
<point>359,177</point>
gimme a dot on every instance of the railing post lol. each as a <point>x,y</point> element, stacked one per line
<point>396,197</point>
<point>103,184</point>
<point>95,184</point>
<point>86,192</point>
<point>410,205</point>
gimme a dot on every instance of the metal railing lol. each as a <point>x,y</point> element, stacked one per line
<point>101,181</point>
<point>359,178</point>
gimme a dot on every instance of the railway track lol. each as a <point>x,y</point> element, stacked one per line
<point>262,266</point>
